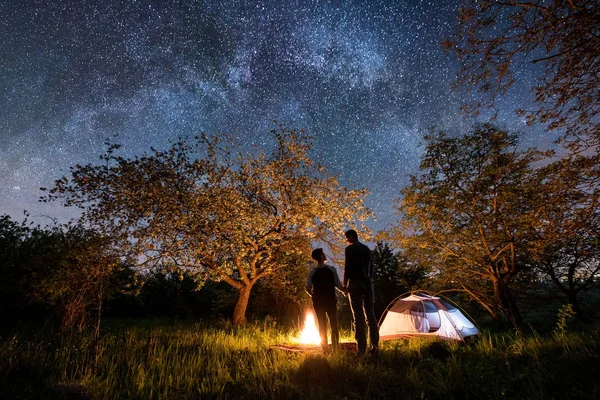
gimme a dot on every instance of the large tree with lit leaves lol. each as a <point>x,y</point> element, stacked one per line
<point>219,211</point>
<point>565,246</point>
<point>469,215</point>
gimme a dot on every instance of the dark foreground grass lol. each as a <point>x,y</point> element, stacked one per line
<point>195,361</point>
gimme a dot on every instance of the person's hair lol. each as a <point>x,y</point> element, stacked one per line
<point>351,233</point>
<point>316,254</point>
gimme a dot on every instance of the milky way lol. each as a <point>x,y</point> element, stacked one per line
<point>367,78</point>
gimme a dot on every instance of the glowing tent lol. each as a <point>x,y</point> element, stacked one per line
<point>423,315</point>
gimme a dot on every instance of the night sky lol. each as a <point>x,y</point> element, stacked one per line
<point>367,78</point>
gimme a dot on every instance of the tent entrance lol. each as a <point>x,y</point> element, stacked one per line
<point>433,316</point>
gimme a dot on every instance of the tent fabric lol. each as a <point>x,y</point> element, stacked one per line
<point>425,315</point>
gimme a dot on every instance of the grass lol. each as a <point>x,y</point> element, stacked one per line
<point>193,361</point>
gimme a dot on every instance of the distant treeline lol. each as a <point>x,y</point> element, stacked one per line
<point>511,233</point>
<point>59,274</point>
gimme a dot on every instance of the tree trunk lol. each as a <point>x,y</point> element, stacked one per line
<point>239,313</point>
<point>574,301</point>
<point>507,303</point>
<point>100,295</point>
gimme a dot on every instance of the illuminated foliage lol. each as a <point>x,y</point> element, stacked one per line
<point>565,247</point>
<point>78,269</point>
<point>496,38</point>
<point>468,214</point>
<point>66,270</point>
<point>208,206</point>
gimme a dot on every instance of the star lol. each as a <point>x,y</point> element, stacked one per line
<point>368,79</point>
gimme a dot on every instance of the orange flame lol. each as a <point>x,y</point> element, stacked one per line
<point>310,332</point>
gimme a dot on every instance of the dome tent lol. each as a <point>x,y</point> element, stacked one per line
<point>420,314</point>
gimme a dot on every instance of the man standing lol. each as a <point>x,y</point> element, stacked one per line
<point>320,285</point>
<point>357,281</point>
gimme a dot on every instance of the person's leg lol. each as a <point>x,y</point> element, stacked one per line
<point>356,304</point>
<point>321,315</point>
<point>333,323</point>
<point>371,319</point>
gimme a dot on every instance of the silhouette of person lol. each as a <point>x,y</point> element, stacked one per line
<point>320,285</point>
<point>358,273</point>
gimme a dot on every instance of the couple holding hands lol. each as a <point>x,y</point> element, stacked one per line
<point>322,282</point>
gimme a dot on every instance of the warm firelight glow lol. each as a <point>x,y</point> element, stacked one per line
<point>310,332</point>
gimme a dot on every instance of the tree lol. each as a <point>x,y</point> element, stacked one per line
<point>67,270</point>
<point>174,293</point>
<point>468,214</point>
<point>14,277</point>
<point>226,216</point>
<point>284,297</point>
<point>78,279</point>
<point>566,244</point>
<point>385,279</point>
<point>393,275</point>
<point>495,38</point>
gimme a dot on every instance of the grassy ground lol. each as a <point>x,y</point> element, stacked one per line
<point>185,361</point>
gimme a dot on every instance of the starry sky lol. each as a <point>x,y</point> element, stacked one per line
<point>367,78</point>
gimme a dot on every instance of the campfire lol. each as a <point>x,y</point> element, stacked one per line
<point>308,339</point>
<point>310,332</point>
